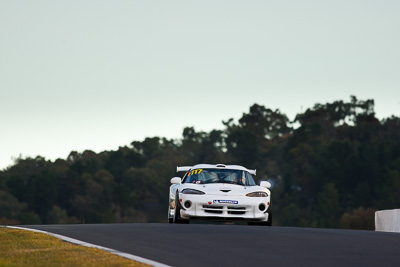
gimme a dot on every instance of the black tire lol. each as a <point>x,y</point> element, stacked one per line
<point>269,222</point>
<point>177,215</point>
<point>266,223</point>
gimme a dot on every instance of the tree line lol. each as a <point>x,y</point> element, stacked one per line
<point>333,167</point>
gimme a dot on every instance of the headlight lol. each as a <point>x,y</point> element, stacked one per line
<point>192,192</point>
<point>257,194</point>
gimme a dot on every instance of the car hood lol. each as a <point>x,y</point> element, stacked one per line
<point>225,189</point>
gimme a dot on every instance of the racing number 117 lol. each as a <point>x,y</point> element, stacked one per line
<point>196,171</point>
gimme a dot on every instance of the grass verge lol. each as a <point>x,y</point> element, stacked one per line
<point>26,248</point>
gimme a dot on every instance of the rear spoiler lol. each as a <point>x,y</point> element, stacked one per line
<point>183,168</point>
<point>253,172</point>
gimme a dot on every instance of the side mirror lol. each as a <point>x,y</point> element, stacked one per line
<point>265,184</point>
<point>176,180</point>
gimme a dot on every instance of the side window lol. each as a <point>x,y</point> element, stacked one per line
<point>249,179</point>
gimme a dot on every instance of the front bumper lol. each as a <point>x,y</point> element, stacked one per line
<point>224,207</point>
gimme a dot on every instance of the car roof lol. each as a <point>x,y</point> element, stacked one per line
<point>216,166</point>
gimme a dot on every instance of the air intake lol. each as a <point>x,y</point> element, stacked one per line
<point>221,166</point>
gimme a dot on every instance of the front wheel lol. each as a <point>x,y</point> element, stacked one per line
<point>269,219</point>
<point>177,215</point>
<point>266,223</point>
<point>269,222</point>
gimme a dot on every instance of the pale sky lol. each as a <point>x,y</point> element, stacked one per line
<point>77,75</point>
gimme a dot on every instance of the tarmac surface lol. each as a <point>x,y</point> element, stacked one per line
<point>239,245</point>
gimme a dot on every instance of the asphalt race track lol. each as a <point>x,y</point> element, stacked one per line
<point>239,245</point>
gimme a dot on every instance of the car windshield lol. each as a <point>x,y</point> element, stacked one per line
<point>208,176</point>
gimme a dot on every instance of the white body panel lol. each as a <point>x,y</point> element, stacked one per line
<point>222,201</point>
<point>217,206</point>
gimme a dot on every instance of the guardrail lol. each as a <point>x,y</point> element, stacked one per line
<point>387,220</point>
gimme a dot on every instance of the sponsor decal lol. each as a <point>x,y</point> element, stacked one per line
<point>209,202</point>
<point>226,201</point>
<point>197,171</point>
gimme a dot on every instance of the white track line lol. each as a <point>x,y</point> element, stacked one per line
<point>78,242</point>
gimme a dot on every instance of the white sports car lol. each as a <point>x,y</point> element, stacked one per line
<point>219,192</point>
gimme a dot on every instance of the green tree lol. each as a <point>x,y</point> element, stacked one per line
<point>328,207</point>
<point>10,208</point>
<point>360,218</point>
